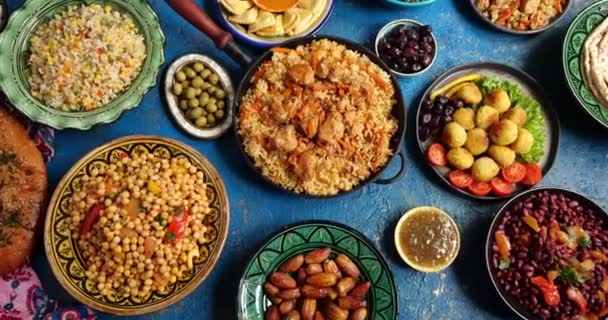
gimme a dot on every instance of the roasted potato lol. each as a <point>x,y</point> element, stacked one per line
<point>486,116</point>
<point>504,156</point>
<point>465,117</point>
<point>469,94</point>
<point>484,169</point>
<point>516,114</point>
<point>504,132</point>
<point>477,141</point>
<point>498,99</point>
<point>524,141</point>
<point>454,135</point>
<point>460,158</point>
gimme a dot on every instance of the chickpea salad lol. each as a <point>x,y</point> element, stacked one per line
<point>138,223</point>
<point>488,133</point>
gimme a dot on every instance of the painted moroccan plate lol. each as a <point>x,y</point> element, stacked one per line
<point>62,251</point>
<point>579,29</point>
<point>14,71</point>
<point>304,237</point>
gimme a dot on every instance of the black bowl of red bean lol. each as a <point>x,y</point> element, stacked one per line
<point>547,255</point>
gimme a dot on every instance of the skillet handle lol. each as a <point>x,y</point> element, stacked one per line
<point>190,11</point>
<point>402,170</point>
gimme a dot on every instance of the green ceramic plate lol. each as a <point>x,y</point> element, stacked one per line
<point>14,47</point>
<point>307,236</point>
<point>580,28</point>
<point>62,251</point>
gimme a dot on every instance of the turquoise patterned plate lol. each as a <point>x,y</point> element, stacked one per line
<point>579,29</point>
<point>14,47</point>
<point>305,237</point>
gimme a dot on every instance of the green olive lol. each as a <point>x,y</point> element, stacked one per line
<point>193,103</point>
<point>196,113</point>
<point>203,99</point>
<point>211,108</point>
<point>190,73</point>
<point>221,104</point>
<point>201,122</point>
<point>219,114</point>
<point>177,89</point>
<point>205,73</point>
<point>211,119</point>
<point>197,82</point>
<point>180,76</point>
<point>198,67</point>
<point>183,104</point>
<point>220,94</point>
<point>214,78</point>
<point>190,93</point>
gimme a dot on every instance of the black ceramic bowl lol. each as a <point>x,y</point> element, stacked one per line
<point>529,87</point>
<point>521,32</point>
<point>520,310</point>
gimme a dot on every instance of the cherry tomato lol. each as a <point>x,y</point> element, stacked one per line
<point>177,226</point>
<point>514,172</point>
<point>548,288</point>
<point>533,174</point>
<point>461,179</point>
<point>500,187</point>
<point>480,188</point>
<point>437,155</point>
<point>91,219</point>
<point>576,296</point>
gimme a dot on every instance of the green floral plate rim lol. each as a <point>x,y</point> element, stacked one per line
<point>582,25</point>
<point>14,47</point>
<point>307,236</point>
<point>66,261</point>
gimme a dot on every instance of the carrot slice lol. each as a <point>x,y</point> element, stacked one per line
<point>280,50</point>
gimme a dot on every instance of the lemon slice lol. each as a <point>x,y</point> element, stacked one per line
<point>264,19</point>
<point>274,30</point>
<point>236,7</point>
<point>427,239</point>
<point>248,17</point>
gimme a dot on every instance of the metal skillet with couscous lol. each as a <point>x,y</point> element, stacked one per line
<point>136,225</point>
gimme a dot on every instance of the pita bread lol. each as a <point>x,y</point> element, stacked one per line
<point>594,61</point>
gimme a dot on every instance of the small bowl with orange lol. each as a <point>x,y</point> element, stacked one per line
<point>266,23</point>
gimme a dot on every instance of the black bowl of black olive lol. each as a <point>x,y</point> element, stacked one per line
<point>408,47</point>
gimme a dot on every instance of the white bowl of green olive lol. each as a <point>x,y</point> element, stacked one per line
<point>199,94</point>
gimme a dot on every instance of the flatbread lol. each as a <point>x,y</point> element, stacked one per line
<point>23,188</point>
<point>594,61</point>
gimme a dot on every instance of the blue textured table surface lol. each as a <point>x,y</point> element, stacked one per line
<point>461,292</point>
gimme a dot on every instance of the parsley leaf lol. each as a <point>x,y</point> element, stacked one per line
<point>159,219</point>
<point>584,242</point>
<point>570,276</point>
<point>170,236</point>
<point>504,263</point>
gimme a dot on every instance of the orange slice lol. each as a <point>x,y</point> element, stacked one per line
<point>276,5</point>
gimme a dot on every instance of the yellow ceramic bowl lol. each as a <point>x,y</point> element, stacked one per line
<point>423,232</point>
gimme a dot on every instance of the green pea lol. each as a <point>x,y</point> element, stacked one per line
<point>190,73</point>
<point>186,84</point>
<point>211,119</point>
<point>220,94</point>
<point>212,100</point>
<point>177,89</point>
<point>205,94</point>
<point>211,108</point>
<point>221,104</point>
<point>193,103</point>
<point>211,90</point>
<point>180,76</point>
<point>190,93</point>
<point>197,82</point>
<point>196,113</point>
<point>214,78</point>
<point>219,114</point>
<point>198,67</point>
<point>205,73</point>
<point>201,122</point>
<point>203,99</point>
<point>205,113</point>
<point>183,104</point>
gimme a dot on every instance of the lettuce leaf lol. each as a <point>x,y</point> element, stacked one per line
<point>536,121</point>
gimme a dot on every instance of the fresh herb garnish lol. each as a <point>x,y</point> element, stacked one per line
<point>584,242</point>
<point>141,209</point>
<point>504,263</point>
<point>159,219</point>
<point>170,236</point>
<point>570,276</point>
